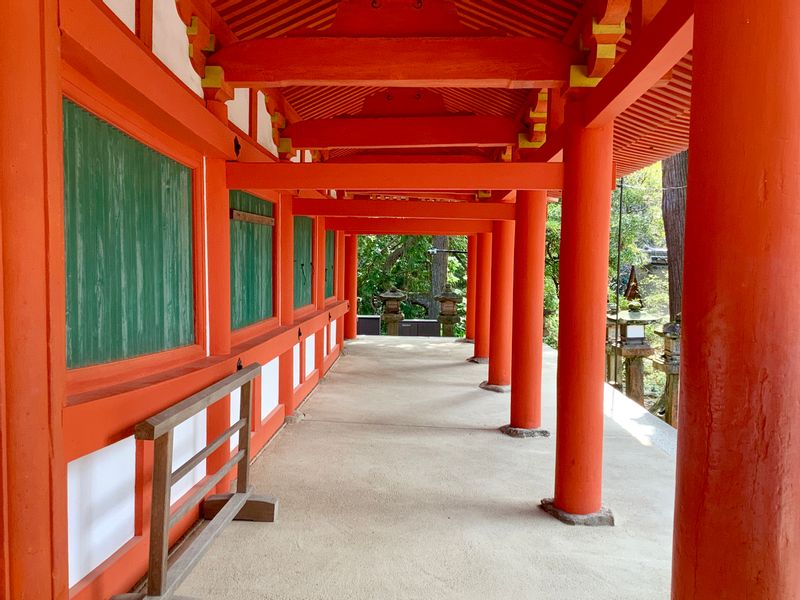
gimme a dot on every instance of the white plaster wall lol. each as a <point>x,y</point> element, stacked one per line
<point>269,387</point>
<point>326,346</point>
<point>125,10</point>
<point>311,346</point>
<point>171,45</point>
<point>307,158</point>
<point>188,439</point>
<point>236,404</point>
<point>239,109</point>
<point>296,157</point>
<point>101,505</point>
<point>333,334</point>
<point>264,121</point>
<point>296,365</point>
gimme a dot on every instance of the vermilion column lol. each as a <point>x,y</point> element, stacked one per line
<point>472,270</point>
<point>737,509</point>
<point>33,490</point>
<point>284,285</point>
<point>483,304</point>
<point>501,315</point>
<point>583,273</point>
<point>526,340</point>
<point>351,286</point>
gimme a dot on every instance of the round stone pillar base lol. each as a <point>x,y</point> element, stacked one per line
<point>479,360</point>
<point>517,432</point>
<point>491,387</point>
<point>601,518</point>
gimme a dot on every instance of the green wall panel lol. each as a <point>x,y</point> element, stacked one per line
<point>251,263</point>
<point>303,263</point>
<point>128,245</point>
<point>330,262</point>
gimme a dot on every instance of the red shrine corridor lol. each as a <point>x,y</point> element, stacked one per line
<point>397,484</point>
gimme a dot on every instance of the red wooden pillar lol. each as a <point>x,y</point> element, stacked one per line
<point>472,269</point>
<point>218,415</point>
<point>319,287</point>
<point>33,526</point>
<point>483,305</point>
<point>284,283</point>
<point>526,340</point>
<point>501,315</point>
<point>737,509</point>
<point>351,286</point>
<point>585,222</point>
<point>340,292</point>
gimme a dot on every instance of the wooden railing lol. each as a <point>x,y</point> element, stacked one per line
<point>221,509</point>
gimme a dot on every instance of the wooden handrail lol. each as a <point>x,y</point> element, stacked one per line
<point>162,582</point>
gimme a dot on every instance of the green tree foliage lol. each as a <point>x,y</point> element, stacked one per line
<point>404,261</point>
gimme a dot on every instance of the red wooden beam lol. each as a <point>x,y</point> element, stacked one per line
<point>404,208</point>
<point>404,132</point>
<point>364,225</point>
<point>410,158</point>
<point>664,42</point>
<point>496,62</point>
<point>407,176</point>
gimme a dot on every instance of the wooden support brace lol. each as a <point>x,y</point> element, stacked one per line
<point>257,508</point>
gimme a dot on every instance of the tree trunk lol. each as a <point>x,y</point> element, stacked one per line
<point>673,210</point>
<point>438,272</point>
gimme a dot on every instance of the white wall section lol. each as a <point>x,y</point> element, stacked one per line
<point>296,365</point>
<point>311,346</point>
<point>269,387</point>
<point>101,505</point>
<point>188,439</point>
<point>264,122</point>
<point>239,109</point>
<point>125,10</point>
<point>171,45</point>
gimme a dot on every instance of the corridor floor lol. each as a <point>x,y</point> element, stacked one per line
<point>398,484</point>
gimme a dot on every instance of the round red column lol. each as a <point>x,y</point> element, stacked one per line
<point>502,307</point>
<point>526,340</point>
<point>351,286</point>
<point>737,508</point>
<point>472,270</point>
<point>483,287</point>
<point>583,273</point>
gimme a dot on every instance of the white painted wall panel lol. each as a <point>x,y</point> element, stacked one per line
<point>239,109</point>
<point>171,45</point>
<point>125,10</point>
<point>311,346</point>
<point>296,365</point>
<point>264,121</point>
<point>333,334</point>
<point>270,374</point>
<point>101,505</point>
<point>188,439</point>
<point>326,346</point>
<point>236,405</point>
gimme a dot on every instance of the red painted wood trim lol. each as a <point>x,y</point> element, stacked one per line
<point>367,225</point>
<point>418,209</point>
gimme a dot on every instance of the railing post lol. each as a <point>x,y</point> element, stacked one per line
<point>159,515</point>
<point>243,468</point>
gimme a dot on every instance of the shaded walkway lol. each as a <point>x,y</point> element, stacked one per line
<point>397,484</point>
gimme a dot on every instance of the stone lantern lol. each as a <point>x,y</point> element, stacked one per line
<point>670,363</point>
<point>448,315</point>
<point>631,349</point>
<point>391,314</point>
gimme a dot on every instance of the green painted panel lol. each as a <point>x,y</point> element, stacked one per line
<point>251,263</point>
<point>303,262</point>
<point>128,245</point>
<point>330,262</point>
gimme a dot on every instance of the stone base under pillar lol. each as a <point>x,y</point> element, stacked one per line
<point>491,387</point>
<point>517,432</point>
<point>602,518</point>
<point>465,340</point>
<point>480,360</point>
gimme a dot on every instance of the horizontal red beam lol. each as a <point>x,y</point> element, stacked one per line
<point>397,176</point>
<point>404,209</point>
<point>366,225</point>
<point>496,62</point>
<point>664,42</point>
<point>403,132</point>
